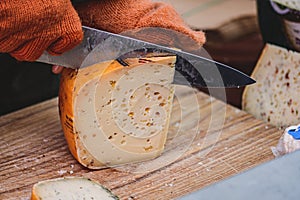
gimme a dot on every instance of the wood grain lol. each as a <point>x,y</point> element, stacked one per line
<point>33,148</point>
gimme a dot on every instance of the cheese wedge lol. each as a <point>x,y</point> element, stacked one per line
<point>113,115</point>
<point>275,98</point>
<point>70,188</point>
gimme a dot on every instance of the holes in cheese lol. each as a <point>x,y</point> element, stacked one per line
<point>114,115</point>
<point>70,188</point>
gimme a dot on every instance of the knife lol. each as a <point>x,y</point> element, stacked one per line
<point>193,70</point>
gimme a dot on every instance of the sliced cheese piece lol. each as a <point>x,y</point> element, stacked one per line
<point>275,98</point>
<point>70,188</point>
<point>113,115</point>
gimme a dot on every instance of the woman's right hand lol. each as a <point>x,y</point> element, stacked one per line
<point>28,28</point>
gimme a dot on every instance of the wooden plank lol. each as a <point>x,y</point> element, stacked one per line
<point>33,148</point>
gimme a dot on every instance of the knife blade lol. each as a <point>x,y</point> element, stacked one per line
<point>193,70</point>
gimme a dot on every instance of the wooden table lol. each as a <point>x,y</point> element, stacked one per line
<point>33,148</point>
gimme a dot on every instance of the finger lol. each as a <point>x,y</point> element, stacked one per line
<point>31,50</point>
<point>65,43</point>
<point>57,69</point>
<point>9,44</point>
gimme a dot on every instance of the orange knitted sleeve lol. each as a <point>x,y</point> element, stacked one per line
<point>29,27</point>
<point>121,15</point>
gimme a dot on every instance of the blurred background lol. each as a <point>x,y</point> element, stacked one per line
<point>236,31</point>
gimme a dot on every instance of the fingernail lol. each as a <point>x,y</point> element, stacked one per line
<point>55,69</point>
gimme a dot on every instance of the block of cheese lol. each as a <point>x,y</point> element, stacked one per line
<point>113,115</point>
<point>275,98</point>
<point>70,188</point>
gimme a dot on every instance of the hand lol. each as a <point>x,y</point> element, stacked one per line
<point>121,15</point>
<point>28,28</point>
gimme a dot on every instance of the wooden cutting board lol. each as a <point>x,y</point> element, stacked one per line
<point>227,142</point>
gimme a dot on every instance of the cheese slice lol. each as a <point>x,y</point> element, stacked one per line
<point>70,188</point>
<point>275,98</point>
<point>113,115</point>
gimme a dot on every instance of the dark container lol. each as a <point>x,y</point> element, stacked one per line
<point>279,25</point>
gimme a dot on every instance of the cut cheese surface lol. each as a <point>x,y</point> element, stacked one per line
<point>275,96</point>
<point>117,114</point>
<point>70,188</point>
